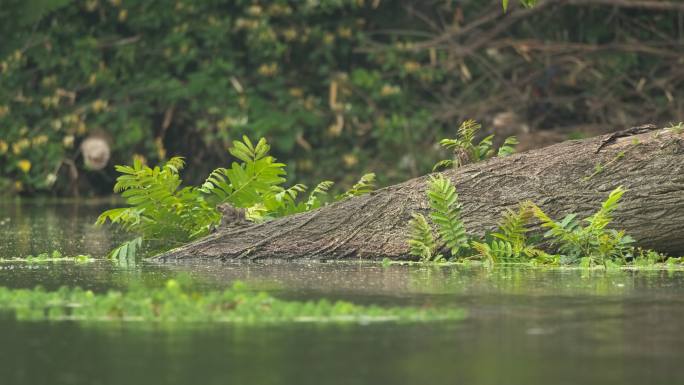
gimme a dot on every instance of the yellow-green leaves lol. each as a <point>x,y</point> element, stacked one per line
<point>365,185</point>
<point>466,151</point>
<point>421,241</point>
<point>524,3</point>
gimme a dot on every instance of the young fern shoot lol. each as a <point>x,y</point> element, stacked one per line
<point>467,151</point>
<point>365,185</point>
<point>510,243</point>
<point>421,241</point>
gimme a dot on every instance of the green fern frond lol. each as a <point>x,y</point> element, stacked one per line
<point>315,198</point>
<point>484,149</point>
<point>450,143</point>
<point>127,251</point>
<point>465,151</point>
<point>445,163</point>
<point>603,217</point>
<point>510,243</point>
<point>245,184</point>
<point>288,197</point>
<point>365,185</point>
<point>421,241</point>
<point>513,226</point>
<point>467,131</point>
<point>496,251</point>
<point>446,213</point>
<point>508,146</point>
<point>175,164</point>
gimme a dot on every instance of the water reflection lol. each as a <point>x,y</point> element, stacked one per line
<point>33,227</point>
<point>525,326</point>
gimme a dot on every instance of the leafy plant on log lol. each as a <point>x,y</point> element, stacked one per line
<point>588,244</point>
<point>467,151</point>
<point>164,214</point>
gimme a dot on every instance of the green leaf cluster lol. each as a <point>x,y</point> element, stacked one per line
<point>510,244</point>
<point>164,214</point>
<point>586,243</point>
<point>589,241</point>
<point>466,151</point>
<point>363,186</point>
<point>159,209</point>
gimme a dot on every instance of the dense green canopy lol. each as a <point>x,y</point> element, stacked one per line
<point>339,87</point>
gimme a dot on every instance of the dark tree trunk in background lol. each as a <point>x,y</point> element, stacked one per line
<point>561,179</point>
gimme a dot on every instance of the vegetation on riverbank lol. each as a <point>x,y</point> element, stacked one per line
<point>163,214</point>
<point>585,243</point>
<point>338,87</point>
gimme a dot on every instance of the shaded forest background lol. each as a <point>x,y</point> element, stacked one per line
<point>338,87</point>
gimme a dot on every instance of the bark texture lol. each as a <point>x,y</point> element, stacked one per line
<point>562,178</point>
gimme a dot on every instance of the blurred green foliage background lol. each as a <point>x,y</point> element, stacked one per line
<point>338,87</point>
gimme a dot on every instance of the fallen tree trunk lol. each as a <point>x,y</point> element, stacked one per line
<point>574,176</point>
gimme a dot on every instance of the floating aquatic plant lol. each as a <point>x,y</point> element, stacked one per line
<point>175,303</point>
<point>54,256</point>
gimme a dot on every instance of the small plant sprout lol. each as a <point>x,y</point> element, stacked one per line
<point>677,128</point>
<point>421,242</point>
<point>365,185</point>
<point>466,151</point>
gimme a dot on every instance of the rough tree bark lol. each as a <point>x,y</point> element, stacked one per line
<point>562,178</point>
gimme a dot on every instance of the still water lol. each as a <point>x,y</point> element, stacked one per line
<point>525,326</point>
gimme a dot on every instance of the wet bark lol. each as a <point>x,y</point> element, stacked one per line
<point>561,179</point>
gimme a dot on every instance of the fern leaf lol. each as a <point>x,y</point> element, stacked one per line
<point>442,164</point>
<point>484,149</point>
<point>446,213</point>
<point>603,217</point>
<point>319,191</point>
<point>450,143</point>
<point>248,183</point>
<point>421,241</point>
<point>508,146</point>
<point>365,185</point>
<point>127,251</point>
<point>512,228</point>
<point>287,197</point>
<point>244,150</point>
<point>175,164</point>
<point>467,131</point>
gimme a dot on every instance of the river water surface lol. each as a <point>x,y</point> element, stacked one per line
<point>524,326</point>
